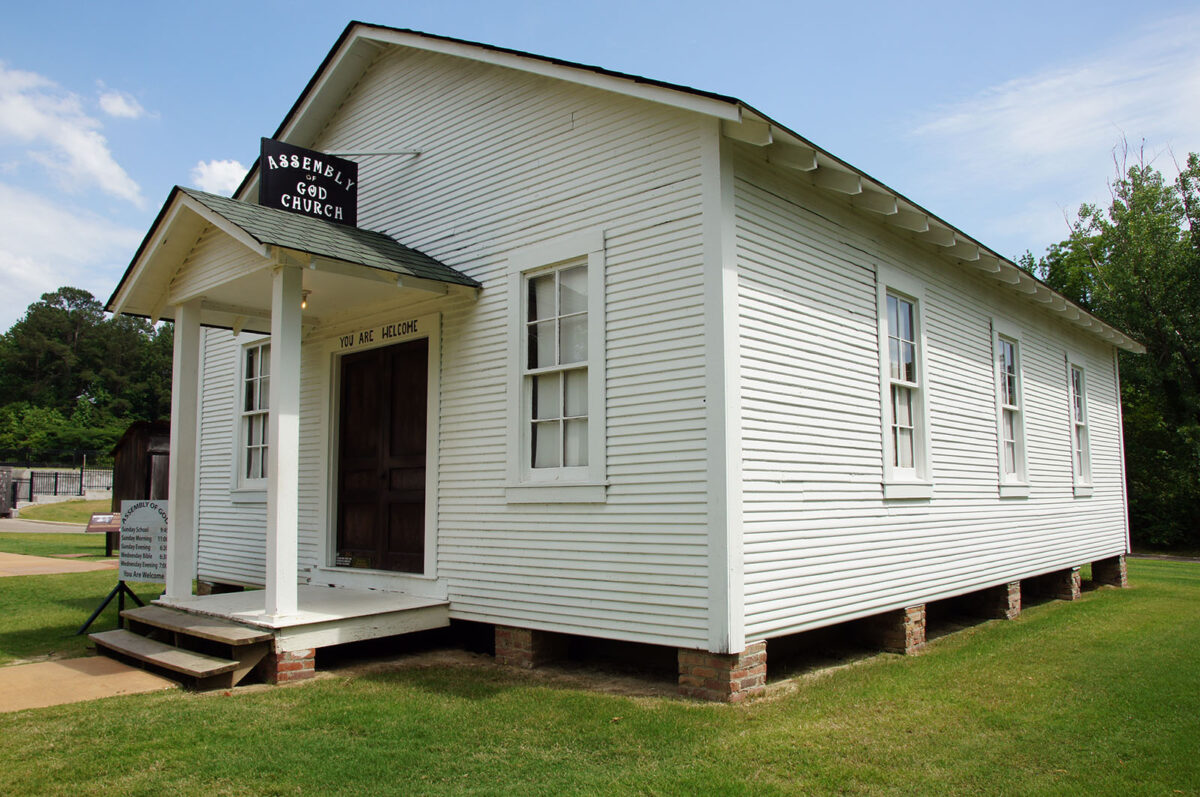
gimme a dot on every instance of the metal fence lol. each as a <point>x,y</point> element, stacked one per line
<point>61,482</point>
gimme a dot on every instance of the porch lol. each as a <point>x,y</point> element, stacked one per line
<point>211,261</point>
<point>324,615</point>
<point>215,641</point>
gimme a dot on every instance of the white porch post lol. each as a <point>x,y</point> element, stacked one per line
<point>283,481</point>
<point>185,396</point>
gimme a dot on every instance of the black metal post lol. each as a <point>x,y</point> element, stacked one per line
<point>118,592</point>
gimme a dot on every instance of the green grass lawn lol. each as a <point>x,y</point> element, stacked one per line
<point>1095,697</point>
<point>67,511</point>
<point>50,544</point>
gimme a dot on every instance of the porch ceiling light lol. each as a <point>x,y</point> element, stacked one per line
<point>304,299</point>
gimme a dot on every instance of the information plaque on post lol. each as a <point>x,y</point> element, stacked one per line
<point>143,541</point>
<point>143,553</point>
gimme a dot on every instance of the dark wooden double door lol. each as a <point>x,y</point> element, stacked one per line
<point>381,458</point>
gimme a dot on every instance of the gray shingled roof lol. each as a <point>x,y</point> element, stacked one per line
<point>326,239</point>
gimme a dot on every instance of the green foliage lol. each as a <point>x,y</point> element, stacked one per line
<point>72,379</point>
<point>1137,265</point>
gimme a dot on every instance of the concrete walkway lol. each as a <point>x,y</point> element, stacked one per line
<point>52,683</point>
<point>17,564</point>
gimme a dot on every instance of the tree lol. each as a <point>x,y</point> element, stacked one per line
<point>1136,264</point>
<point>70,378</point>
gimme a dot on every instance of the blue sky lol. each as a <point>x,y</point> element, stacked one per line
<point>999,117</point>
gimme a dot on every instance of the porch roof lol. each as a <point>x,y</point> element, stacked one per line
<point>330,251</point>
<point>321,238</point>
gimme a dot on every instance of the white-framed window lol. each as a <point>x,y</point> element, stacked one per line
<point>556,367</point>
<point>556,397</point>
<point>1081,465</point>
<point>1010,414</point>
<point>903,386</point>
<point>254,390</point>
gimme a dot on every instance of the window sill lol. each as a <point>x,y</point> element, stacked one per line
<point>907,491</point>
<point>1083,491</point>
<point>1014,490</point>
<point>556,493</point>
<point>248,495</point>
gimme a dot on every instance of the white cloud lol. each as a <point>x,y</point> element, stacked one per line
<point>36,112</point>
<point>1045,141</point>
<point>121,105</point>
<point>218,177</point>
<point>45,245</point>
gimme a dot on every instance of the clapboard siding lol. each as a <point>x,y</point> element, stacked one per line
<point>507,160</point>
<point>821,544</point>
<point>232,531</point>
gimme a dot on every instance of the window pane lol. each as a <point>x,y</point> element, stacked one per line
<point>576,443</point>
<point>572,287</point>
<point>265,460</point>
<point>254,463</point>
<point>908,362</point>
<point>251,402</point>
<point>254,433</point>
<point>251,363</point>
<point>893,316</point>
<point>574,339</point>
<point>1010,458</point>
<point>546,396</point>
<point>904,448</point>
<point>906,320</point>
<point>541,298</point>
<point>902,406</point>
<point>541,345</point>
<point>264,359</point>
<point>1077,393</point>
<point>1010,426</point>
<point>264,392</point>
<point>576,398</point>
<point>894,358</point>
<point>546,444</point>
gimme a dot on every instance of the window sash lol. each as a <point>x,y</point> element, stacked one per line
<point>555,368</point>
<point>904,385</point>
<point>1080,460</point>
<point>255,412</point>
<point>1011,431</point>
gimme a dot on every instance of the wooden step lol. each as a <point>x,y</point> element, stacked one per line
<point>210,628</point>
<point>196,665</point>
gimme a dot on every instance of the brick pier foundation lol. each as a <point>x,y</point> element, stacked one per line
<point>288,666</point>
<point>526,648</point>
<point>723,677</point>
<point>898,631</point>
<point>1001,602</point>
<point>1064,585</point>
<point>1111,572</point>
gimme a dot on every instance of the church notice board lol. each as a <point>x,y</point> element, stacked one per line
<point>143,541</point>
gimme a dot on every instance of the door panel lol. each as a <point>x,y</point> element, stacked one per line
<point>381,457</point>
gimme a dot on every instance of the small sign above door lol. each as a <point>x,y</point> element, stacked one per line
<point>307,182</point>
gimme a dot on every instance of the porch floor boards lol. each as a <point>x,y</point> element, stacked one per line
<point>326,615</point>
<point>317,605</point>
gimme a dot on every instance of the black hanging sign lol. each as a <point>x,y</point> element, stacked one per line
<point>307,182</point>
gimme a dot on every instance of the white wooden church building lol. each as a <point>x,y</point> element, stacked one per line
<point>609,357</point>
